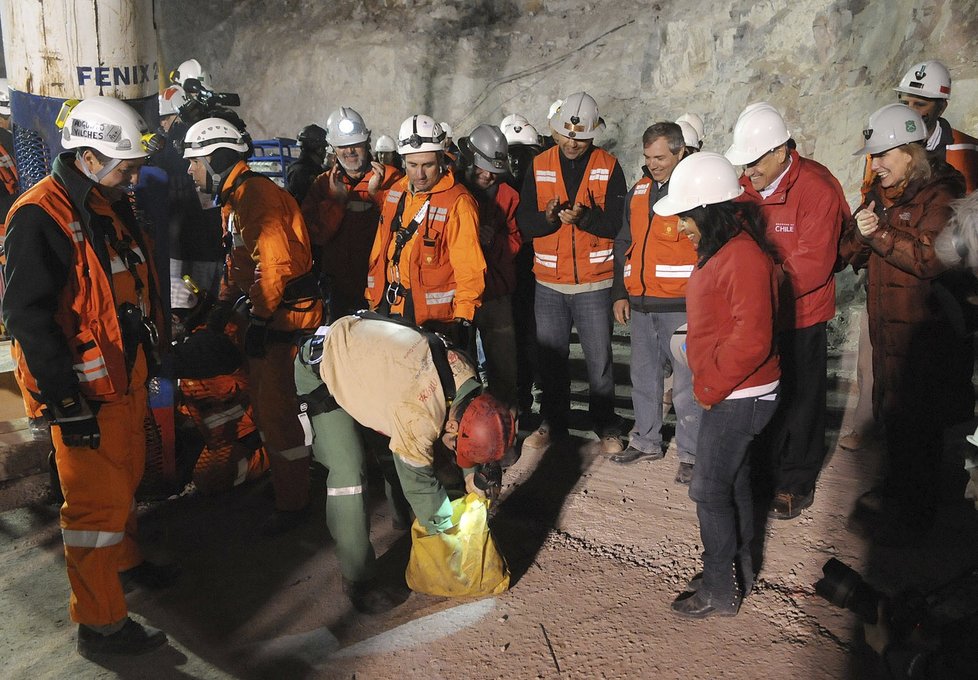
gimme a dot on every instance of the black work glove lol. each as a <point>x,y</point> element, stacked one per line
<point>256,335</point>
<point>77,421</point>
<point>464,335</point>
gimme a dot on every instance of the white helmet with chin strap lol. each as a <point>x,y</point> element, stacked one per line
<point>109,126</point>
<point>207,136</point>
<point>345,127</point>
<point>928,79</point>
<point>419,134</point>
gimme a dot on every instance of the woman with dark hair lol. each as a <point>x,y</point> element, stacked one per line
<point>731,302</point>
<point>922,368</point>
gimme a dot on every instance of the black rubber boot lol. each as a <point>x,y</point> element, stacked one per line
<point>130,640</point>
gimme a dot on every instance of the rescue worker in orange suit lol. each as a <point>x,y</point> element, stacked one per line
<point>571,205</point>
<point>81,304</point>
<point>653,263</point>
<point>342,208</point>
<point>270,261</point>
<point>803,207</point>
<point>500,238</point>
<point>391,378</point>
<point>426,264</point>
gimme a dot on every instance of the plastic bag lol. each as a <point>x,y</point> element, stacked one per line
<point>462,562</point>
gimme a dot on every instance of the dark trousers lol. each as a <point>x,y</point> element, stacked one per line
<point>721,487</point>
<point>797,433</point>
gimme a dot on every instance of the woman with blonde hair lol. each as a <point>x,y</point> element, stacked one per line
<point>922,368</point>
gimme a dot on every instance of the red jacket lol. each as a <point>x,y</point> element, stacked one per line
<point>803,220</point>
<point>500,239</point>
<point>731,304</point>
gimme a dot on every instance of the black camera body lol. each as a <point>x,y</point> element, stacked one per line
<point>203,103</point>
<point>844,587</point>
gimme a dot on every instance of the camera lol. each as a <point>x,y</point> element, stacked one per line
<point>844,587</point>
<point>203,103</point>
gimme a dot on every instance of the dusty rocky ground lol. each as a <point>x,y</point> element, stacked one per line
<point>598,551</point>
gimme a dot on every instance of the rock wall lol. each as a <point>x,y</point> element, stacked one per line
<point>826,64</point>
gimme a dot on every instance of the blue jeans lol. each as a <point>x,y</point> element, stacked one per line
<point>591,314</point>
<point>651,335</point>
<point>722,491</point>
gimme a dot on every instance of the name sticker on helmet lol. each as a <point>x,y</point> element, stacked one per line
<point>97,131</point>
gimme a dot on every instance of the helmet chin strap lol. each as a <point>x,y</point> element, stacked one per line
<point>214,178</point>
<point>97,177</point>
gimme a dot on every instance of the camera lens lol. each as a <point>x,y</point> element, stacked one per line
<point>844,587</point>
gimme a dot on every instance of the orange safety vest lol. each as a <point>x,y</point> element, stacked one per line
<point>962,155</point>
<point>431,271</point>
<point>571,255</point>
<point>660,259</point>
<point>86,311</point>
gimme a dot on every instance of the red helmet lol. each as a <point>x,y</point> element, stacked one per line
<point>485,432</point>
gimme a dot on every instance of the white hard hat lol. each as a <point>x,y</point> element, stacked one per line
<point>108,125</point>
<point>206,136</point>
<point>929,79</point>
<point>4,97</point>
<point>513,119</point>
<point>690,137</point>
<point>385,143</point>
<point>521,133</point>
<point>695,120</point>
<point>759,129</point>
<point>190,69</point>
<point>677,345</point>
<point>447,129</point>
<point>419,134</point>
<point>699,179</point>
<point>892,126</point>
<point>554,107</point>
<point>489,149</point>
<point>171,99</point>
<point>577,117</point>
<point>345,127</point>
